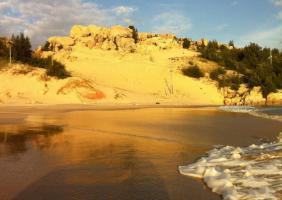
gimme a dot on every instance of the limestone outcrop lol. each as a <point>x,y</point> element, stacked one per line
<point>246,96</point>
<point>116,38</point>
<point>275,98</point>
<point>160,41</point>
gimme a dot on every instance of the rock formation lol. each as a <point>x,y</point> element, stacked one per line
<point>117,38</point>
<point>246,96</point>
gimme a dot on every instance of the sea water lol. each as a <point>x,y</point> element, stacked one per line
<point>253,172</point>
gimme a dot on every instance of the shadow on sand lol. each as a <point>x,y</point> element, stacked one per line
<point>127,179</point>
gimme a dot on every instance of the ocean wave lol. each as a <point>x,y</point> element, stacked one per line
<point>253,172</point>
<point>262,112</point>
<point>266,116</point>
<point>239,109</point>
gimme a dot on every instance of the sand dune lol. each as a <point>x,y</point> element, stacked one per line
<point>149,75</point>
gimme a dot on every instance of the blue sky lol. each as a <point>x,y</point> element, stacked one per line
<point>243,21</point>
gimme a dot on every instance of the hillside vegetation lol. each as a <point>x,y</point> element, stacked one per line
<point>253,64</point>
<point>22,53</point>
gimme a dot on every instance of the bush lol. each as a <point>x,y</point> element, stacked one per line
<point>214,75</point>
<point>235,82</point>
<point>56,70</point>
<point>186,43</point>
<point>193,71</point>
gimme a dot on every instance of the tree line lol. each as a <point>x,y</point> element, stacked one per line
<point>252,63</point>
<point>21,51</point>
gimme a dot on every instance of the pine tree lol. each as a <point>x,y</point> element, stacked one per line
<point>134,33</point>
<point>21,48</point>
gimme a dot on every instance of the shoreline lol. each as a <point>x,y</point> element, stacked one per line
<point>108,106</point>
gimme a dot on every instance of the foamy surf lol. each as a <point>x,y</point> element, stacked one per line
<point>240,109</point>
<point>262,112</point>
<point>249,173</point>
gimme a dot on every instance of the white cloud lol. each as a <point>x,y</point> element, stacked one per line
<point>234,3</point>
<point>221,27</point>
<point>279,15</point>
<point>171,22</point>
<point>124,10</point>
<point>41,19</point>
<point>270,38</point>
<point>277,3</point>
<point>3,5</point>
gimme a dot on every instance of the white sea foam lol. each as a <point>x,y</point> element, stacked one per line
<point>249,173</point>
<point>241,109</point>
<point>257,112</point>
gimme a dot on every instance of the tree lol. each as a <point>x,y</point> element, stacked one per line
<point>21,48</point>
<point>4,51</point>
<point>231,43</point>
<point>268,87</point>
<point>46,46</point>
<point>134,33</point>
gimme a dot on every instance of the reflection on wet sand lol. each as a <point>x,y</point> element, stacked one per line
<point>14,143</point>
<point>113,155</point>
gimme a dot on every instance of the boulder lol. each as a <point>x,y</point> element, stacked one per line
<point>255,97</point>
<point>274,98</point>
<point>126,44</point>
<point>109,45</point>
<point>94,30</point>
<point>115,38</point>
<point>79,31</point>
<point>121,32</point>
<point>63,42</point>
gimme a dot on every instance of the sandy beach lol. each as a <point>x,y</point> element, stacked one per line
<point>65,152</point>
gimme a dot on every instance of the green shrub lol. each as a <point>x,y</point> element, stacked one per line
<point>57,70</point>
<point>186,43</point>
<point>193,71</point>
<point>235,82</point>
<point>252,62</point>
<point>214,75</point>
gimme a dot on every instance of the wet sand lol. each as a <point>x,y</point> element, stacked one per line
<point>77,153</point>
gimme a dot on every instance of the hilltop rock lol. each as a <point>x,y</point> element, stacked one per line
<point>114,38</point>
<point>160,41</point>
<point>61,42</point>
<point>275,98</point>
<point>117,38</point>
<point>79,31</point>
